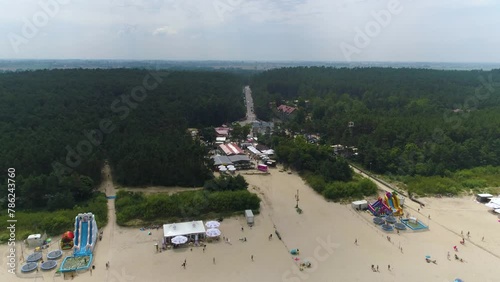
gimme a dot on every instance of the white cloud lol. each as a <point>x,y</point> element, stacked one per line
<point>165,30</point>
<point>254,29</point>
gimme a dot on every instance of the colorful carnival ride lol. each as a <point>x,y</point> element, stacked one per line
<point>389,205</point>
<point>85,237</point>
<point>392,200</point>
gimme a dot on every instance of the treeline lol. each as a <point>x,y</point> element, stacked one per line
<point>484,179</point>
<point>226,183</point>
<point>55,222</point>
<point>405,121</point>
<point>327,174</point>
<point>182,206</point>
<point>358,188</point>
<point>302,156</point>
<point>57,128</point>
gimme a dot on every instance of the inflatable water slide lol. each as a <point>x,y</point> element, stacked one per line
<point>85,237</point>
<point>392,201</point>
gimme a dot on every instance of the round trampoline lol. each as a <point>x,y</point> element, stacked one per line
<point>378,221</point>
<point>34,257</point>
<point>400,226</point>
<point>391,219</point>
<point>28,267</point>
<point>54,254</point>
<point>387,227</point>
<point>48,265</point>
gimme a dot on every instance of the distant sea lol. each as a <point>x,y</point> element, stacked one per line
<point>22,65</point>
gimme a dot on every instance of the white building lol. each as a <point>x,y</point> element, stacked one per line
<point>194,230</point>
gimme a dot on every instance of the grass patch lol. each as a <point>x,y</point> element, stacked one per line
<point>469,181</point>
<point>56,222</point>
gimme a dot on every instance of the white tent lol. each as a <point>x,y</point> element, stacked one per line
<point>190,229</point>
<point>35,240</point>
<point>494,203</point>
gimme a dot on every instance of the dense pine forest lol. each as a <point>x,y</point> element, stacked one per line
<point>405,121</point>
<point>59,126</point>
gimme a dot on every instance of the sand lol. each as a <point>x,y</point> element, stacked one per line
<point>324,233</point>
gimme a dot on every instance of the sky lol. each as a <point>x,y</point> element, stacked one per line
<point>252,30</point>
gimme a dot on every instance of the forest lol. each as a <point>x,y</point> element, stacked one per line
<point>59,126</point>
<point>406,122</point>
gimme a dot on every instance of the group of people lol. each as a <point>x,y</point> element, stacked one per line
<point>376,269</point>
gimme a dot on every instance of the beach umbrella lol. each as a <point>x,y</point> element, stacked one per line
<point>223,169</point>
<point>232,169</point>
<point>458,280</point>
<point>212,224</point>
<point>213,232</point>
<point>179,240</point>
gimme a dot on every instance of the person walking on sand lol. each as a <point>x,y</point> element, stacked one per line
<point>377,267</point>
<point>251,257</point>
<point>389,267</point>
<point>213,260</point>
<point>356,241</point>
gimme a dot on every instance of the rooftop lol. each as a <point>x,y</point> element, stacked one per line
<point>183,228</point>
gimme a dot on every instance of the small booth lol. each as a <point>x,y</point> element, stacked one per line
<point>360,205</point>
<point>35,240</point>
<point>262,167</point>
<point>249,217</point>
<point>483,198</point>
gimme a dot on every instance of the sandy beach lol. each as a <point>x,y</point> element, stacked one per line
<point>324,233</point>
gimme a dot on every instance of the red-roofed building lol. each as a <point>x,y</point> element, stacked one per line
<point>286,109</point>
<point>222,131</point>
<point>231,149</point>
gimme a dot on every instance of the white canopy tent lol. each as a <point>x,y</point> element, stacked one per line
<point>494,203</point>
<point>193,230</point>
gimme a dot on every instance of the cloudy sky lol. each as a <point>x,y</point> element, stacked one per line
<point>304,30</point>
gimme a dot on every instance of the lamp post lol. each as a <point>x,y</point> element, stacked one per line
<point>297,199</point>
